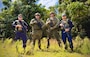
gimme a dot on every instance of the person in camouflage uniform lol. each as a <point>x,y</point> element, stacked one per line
<point>52,24</point>
<point>36,33</point>
<point>20,29</point>
<point>66,26</point>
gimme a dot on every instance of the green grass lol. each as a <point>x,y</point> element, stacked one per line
<point>8,49</point>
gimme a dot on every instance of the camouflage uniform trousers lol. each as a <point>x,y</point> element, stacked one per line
<point>36,35</point>
<point>53,34</point>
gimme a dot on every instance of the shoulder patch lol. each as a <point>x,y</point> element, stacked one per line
<point>16,20</point>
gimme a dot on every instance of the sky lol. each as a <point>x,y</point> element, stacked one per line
<point>1,5</point>
<point>46,3</point>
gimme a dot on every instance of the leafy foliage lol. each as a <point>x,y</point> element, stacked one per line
<point>78,12</point>
<point>26,7</point>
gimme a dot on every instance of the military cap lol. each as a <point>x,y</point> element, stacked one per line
<point>63,14</point>
<point>37,14</point>
<point>52,13</point>
<point>20,15</point>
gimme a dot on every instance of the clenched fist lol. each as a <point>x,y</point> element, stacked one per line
<point>48,22</point>
<point>61,25</point>
<point>67,29</point>
<point>18,26</point>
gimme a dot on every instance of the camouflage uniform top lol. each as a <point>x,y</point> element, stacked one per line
<point>67,24</point>
<point>36,24</point>
<point>52,28</point>
<point>54,23</point>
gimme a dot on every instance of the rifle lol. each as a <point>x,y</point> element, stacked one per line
<point>39,24</point>
<point>51,25</point>
<point>66,26</point>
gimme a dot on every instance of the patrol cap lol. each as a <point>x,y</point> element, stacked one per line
<point>37,14</point>
<point>52,13</point>
<point>63,14</point>
<point>20,15</point>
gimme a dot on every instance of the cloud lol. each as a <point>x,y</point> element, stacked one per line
<point>13,0</point>
<point>48,3</point>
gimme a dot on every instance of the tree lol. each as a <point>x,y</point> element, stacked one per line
<point>78,12</point>
<point>26,7</point>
